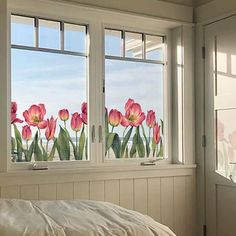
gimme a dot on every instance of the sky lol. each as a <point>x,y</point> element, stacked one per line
<point>59,81</point>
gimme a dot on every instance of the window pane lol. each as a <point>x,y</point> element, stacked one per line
<point>113,43</point>
<point>226,143</point>
<point>75,38</point>
<point>22,30</point>
<point>49,34</point>
<point>36,79</point>
<point>131,125</point>
<point>133,45</point>
<point>154,47</point>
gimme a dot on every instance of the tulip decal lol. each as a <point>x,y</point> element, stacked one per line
<point>84,112</point>
<point>151,119</point>
<point>51,128</point>
<point>114,117</point>
<point>35,116</point>
<point>63,114</point>
<point>26,133</point>
<point>157,134</point>
<point>76,122</point>
<point>14,119</point>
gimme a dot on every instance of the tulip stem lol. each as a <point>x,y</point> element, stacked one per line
<point>112,129</point>
<point>27,145</point>
<point>65,124</point>
<point>47,147</point>
<point>76,141</point>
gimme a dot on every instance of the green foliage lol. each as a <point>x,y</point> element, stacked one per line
<point>63,145</point>
<point>116,146</point>
<point>18,143</point>
<point>125,141</point>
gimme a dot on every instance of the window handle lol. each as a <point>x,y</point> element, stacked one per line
<point>93,133</point>
<point>100,133</point>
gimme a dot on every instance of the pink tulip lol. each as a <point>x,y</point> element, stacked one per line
<point>128,104</point>
<point>14,119</point>
<point>124,121</point>
<point>134,114</point>
<point>220,130</point>
<point>151,119</point>
<point>84,112</point>
<point>35,116</point>
<point>63,114</point>
<point>26,133</point>
<point>51,128</point>
<point>114,117</point>
<point>232,139</point>
<point>76,122</point>
<point>157,133</point>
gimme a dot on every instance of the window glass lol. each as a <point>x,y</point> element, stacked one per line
<point>49,34</point>
<point>133,45</point>
<point>154,47</point>
<point>134,109</point>
<point>22,26</point>
<point>49,109</point>
<point>113,42</point>
<point>75,38</point>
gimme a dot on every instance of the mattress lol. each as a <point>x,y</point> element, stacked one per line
<point>74,218</point>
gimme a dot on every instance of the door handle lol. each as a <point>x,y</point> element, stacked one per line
<point>100,133</point>
<point>93,133</point>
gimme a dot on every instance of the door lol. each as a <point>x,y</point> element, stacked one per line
<point>220,118</point>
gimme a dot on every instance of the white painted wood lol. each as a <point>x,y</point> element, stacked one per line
<point>180,206</point>
<point>81,190</point>
<point>65,191</point>
<point>5,146</point>
<point>191,207</point>
<point>29,192</point>
<point>97,190</point>
<point>140,195</point>
<point>167,201</point>
<point>47,192</point>
<point>154,198</point>
<point>127,193</point>
<point>10,192</point>
<point>226,210</point>
<point>112,191</point>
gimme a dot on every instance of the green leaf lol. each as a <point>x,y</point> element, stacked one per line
<point>18,143</point>
<point>31,151</point>
<point>13,145</point>
<point>160,153</point>
<point>86,149</point>
<point>140,146</point>
<point>162,127</point>
<point>133,147</point>
<point>127,152</point>
<point>116,146</point>
<point>38,155</point>
<point>110,138</point>
<point>81,145</point>
<point>125,141</point>
<point>106,124</point>
<point>154,146</point>
<point>63,145</point>
<point>52,152</point>
<point>147,142</point>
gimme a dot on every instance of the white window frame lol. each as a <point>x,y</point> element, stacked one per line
<point>97,20</point>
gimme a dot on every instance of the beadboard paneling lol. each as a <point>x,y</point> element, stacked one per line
<point>168,199</point>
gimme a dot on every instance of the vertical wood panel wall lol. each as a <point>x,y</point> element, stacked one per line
<point>169,199</point>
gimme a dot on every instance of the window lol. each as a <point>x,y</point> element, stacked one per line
<point>134,94</point>
<point>48,86</point>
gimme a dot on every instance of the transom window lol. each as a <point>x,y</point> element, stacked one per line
<point>134,94</point>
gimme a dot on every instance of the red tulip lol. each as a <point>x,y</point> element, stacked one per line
<point>26,132</point>
<point>13,114</point>
<point>35,116</point>
<point>114,117</point>
<point>84,112</point>
<point>76,122</point>
<point>157,133</point>
<point>63,114</point>
<point>134,113</point>
<point>51,128</point>
<point>151,119</point>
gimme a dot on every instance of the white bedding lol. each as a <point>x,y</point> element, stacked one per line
<point>74,218</point>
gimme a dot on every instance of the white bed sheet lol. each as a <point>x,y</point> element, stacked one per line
<point>74,218</point>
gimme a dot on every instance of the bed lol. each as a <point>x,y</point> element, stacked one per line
<point>74,218</point>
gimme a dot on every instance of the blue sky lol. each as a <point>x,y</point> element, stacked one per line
<point>59,81</point>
